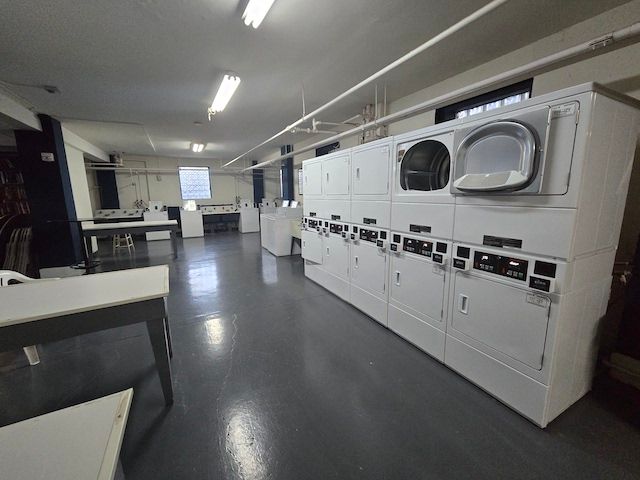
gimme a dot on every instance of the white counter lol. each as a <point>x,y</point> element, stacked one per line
<point>191,223</point>
<point>151,216</point>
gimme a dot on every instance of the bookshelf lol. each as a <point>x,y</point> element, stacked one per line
<point>13,196</point>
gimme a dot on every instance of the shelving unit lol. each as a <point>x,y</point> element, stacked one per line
<point>13,196</point>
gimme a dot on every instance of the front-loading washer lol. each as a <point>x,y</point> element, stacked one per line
<point>418,290</point>
<point>547,176</point>
<point>312,244</point>
<point>335,258</point>
<point>369,271</point>
<point>422,202</point>
<point>523,327</point>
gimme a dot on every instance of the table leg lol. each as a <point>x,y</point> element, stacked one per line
<point>174,244</point>
<point>158,337</point>
<point>88,251</point>
<point>168,333</point>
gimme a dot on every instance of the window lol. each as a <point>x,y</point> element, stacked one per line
<point>327,149</point>
<point>483,103</point>
<point>195,183</point>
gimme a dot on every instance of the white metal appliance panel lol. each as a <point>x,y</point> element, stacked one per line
<point>369,267</point>
<point>335,175</point>
<point>541,231</point>
<point>312,178</point>
<point>312,246</point>
<point>371,171</point>
<point>500,317</point>
<point>423,335</point>
<point>339,210</point>
<point>418,286</point>
<point>371,304</point>
<point>369,212</point>
<point>433,220</point>
<point>335,256</point>
<point>313,207</point>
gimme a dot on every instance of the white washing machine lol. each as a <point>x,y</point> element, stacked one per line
<point>335,258</point>
<point>371,167</point>
<point>422,202</point>
<point>522,327</point>
<point>419,276</point>
<point>312,243</point>
<point>369,271</point>
<point>548,176</point>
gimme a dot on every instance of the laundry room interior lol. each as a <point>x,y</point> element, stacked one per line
<point>250,239</point>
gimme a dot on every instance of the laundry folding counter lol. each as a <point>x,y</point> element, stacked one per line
<point>119,228</point>
<point>52,310</point>
<point>78,442</point>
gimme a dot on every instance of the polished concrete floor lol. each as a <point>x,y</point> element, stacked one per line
<point>275,378</point>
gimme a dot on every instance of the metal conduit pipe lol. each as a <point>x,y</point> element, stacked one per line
<point>174,171</point>
<point>596,45</point>
<point>408,56</point>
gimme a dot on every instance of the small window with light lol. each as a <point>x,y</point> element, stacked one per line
<point>195,183</point>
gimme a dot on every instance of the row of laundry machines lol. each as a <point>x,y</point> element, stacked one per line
<point>487,241</point>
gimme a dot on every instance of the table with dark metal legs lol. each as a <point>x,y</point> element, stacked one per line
<point>47,311</point>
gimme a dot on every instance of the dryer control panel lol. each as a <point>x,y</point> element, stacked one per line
<point>528,271</point>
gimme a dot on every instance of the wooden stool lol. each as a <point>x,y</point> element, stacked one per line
<point>123,241</point>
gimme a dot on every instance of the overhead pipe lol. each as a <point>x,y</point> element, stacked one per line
<point>152,170</point>
<point>408,56</point>
<point>596,44</point>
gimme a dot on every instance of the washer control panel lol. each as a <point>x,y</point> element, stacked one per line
<point>420,247</point>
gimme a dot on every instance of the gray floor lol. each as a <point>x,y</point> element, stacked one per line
<point>276,378</point>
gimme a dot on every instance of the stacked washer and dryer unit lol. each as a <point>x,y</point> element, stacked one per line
<point>504,228</point>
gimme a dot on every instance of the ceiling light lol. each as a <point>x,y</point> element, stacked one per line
<point>197,147</point>
<point>227,88</point>
<point>256,11</point>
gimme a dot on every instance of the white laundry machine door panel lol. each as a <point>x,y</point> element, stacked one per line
<point>542,231</point>
<point>368,212</point>
<point>371,171</point>
<point>369,268</point>
<point>339,210</point>
<point>336,171</point>
<point>312,178</point>
<point>433,220</point>
<point>313,207</point>
<point>501,318</point>
<point>312,246</point>
<point>419,287</point>
<point>335,256</point>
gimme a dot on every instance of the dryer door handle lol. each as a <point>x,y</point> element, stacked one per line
<point>356,261</point>
<point>358,173</point>
<point>463,304</point>
<point>397,278</point>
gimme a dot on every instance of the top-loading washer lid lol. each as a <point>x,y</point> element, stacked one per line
<point>497,156</point>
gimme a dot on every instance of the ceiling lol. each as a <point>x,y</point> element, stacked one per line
<point>134,75</point>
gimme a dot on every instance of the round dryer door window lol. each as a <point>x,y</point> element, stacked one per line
<point>425,166</point>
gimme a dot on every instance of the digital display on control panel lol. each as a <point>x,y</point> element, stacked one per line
<point>338,228</point>
<point>312,223</point>
<point>368,235</point>
<point>505,266</point>
<point>420,247</point>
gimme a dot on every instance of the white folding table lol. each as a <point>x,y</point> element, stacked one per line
<point>47,311</point>
<point>78,442</point>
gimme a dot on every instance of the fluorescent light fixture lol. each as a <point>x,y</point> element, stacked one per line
<point>227,88</point>
<point>256,11</point>
<point>197,147</point>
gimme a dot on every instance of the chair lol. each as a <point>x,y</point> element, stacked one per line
<point>7,278</point>
<point>123,241</point>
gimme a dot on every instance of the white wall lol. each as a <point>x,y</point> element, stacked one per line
<point>79,185</point>
<point>165,185</point>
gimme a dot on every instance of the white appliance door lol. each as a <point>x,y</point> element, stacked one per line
<point>501,317</point>
<point>312,246</point>
<point>312,178</point>
<point>418,285</point>
<point>335,176</point>
<point>369,268</point>
<point>370,171</point>
<point>335,255</point>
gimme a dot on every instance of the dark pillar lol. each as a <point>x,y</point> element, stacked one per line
<point>106,180</point>
<point>43,163</point>
<point>286,173</point>
<point>258,184</point>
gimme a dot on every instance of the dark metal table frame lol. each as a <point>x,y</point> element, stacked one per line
<point>133,230</point>
<point>152,312</point>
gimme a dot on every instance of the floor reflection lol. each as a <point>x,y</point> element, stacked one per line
<point>214,329</point>
<point>245,442</point>
<point>269,268</point>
